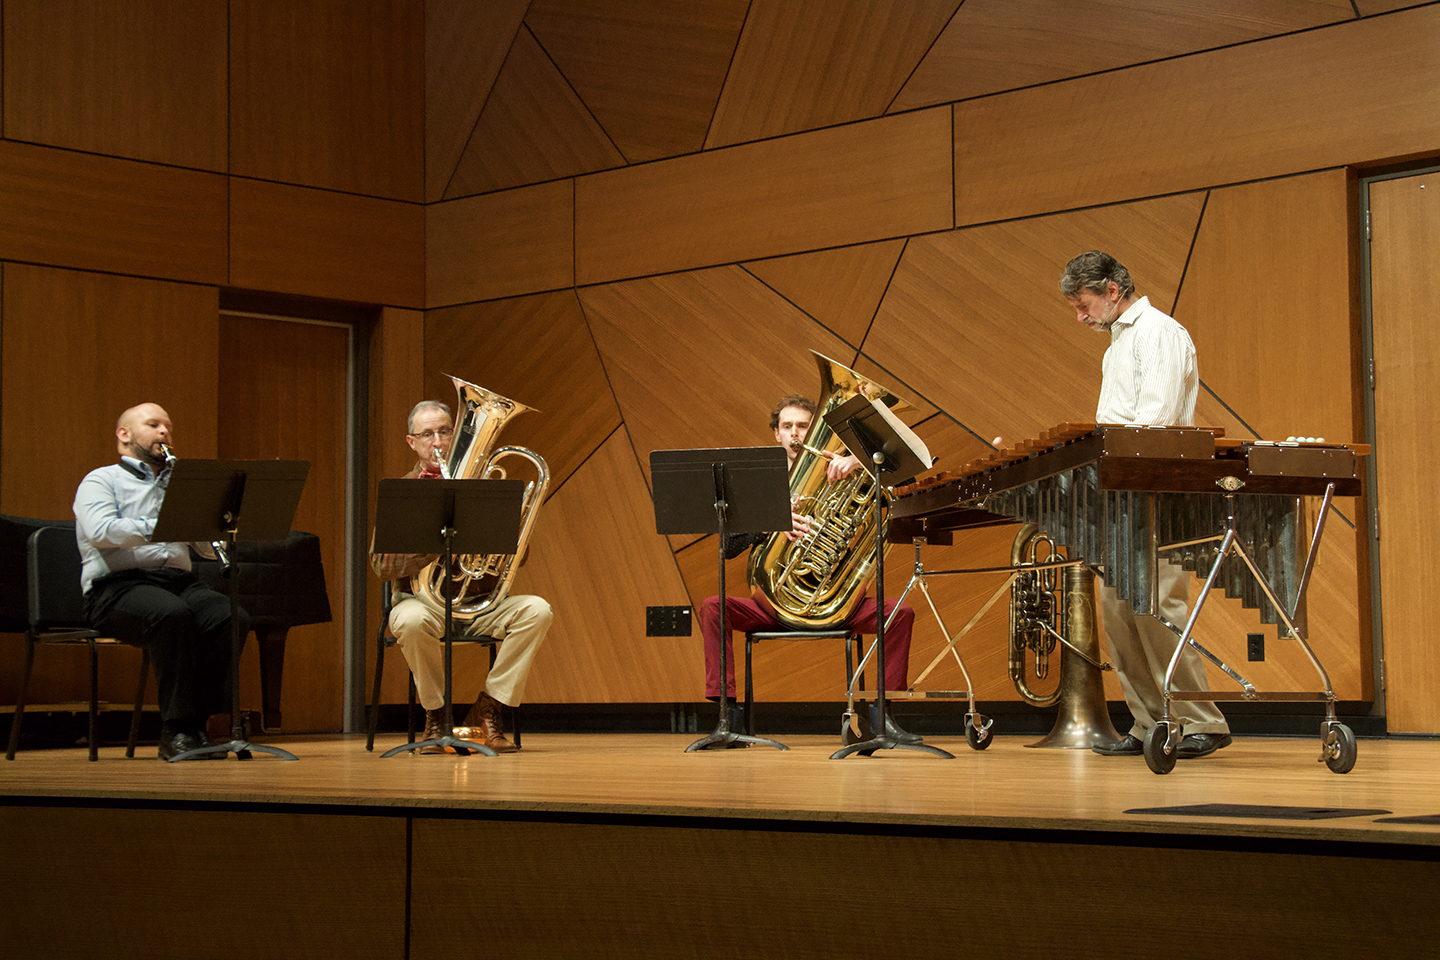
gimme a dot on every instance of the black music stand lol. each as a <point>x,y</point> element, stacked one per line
<point>448,517</point>
<point>206,501</point>
<point>730,490</point>
<point>891,459</point>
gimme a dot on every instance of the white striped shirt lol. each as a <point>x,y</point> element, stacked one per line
<point>1150,374</point>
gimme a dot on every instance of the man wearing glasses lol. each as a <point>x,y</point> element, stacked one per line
<point>521,621</point>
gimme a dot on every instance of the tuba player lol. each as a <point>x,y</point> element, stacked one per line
<point>521,621</point>
<point>790,420</point>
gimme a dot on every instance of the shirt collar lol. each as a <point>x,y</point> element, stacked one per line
<point>1130,315</point>
<point>141,469</point>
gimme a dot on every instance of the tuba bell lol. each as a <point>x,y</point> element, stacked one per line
<point>818,580</point>
<point>477,582</point>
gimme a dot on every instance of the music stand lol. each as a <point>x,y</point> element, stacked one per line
<point>448,517</point>
<point>871,433</point>
<point>207,501</point>
<point>729,490</point>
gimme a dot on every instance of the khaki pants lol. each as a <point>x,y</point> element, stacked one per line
<point>521,621</point>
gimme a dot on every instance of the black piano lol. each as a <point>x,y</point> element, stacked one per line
<point>282,585</point>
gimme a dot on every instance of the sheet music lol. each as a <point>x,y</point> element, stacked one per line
<point>911,439</point>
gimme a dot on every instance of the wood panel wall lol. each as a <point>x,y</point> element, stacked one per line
<point>908,214</point>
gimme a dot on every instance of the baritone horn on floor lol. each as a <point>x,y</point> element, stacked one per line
<point>1052,613</point>
<point>817,581</point>
<point>477,582</point>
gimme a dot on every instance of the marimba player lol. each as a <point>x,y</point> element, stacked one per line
<point>1149,378</point>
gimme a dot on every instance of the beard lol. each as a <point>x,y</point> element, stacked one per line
<point>153,455</point>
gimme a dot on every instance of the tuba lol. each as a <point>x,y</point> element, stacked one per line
<point>477,582</point>
<point>818,580</point>
<point>1054,610</point>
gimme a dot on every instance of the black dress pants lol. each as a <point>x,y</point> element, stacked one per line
<point>186,627</point>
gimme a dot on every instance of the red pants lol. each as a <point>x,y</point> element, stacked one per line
<point>744,614</point>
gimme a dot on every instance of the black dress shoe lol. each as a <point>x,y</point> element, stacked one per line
<point>1201,745</point>
<point>1127,746</point>
<point>202,739</point>
<point>893,730</point>
<point>174,744</point>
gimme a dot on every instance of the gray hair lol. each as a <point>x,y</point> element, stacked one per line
<point>1094,271</point>
<point>420,407</point>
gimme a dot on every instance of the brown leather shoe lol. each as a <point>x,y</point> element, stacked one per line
<point>484,725</point>
<point>433,721</point>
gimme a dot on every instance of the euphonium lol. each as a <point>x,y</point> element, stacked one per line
<point>477,582</point>
<point>817,581</point>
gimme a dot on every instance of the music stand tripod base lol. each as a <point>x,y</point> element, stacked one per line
<point>463,747</point>
<point>240,748</point>
<point>723,736</point>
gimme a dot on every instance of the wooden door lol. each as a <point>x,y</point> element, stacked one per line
<point>1405,270</point>
<point>283,394</point>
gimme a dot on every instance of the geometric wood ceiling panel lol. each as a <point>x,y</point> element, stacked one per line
<point>650,72</point>
<point>841,288</point>
<point>994,45</point>
<point>533,128</point>
<point>975,318</point>
<point>699,359</point>
<point>503,346</point>
<point>805,64</point>
<point>465,46</point>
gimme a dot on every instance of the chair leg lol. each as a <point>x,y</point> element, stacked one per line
<point>374,719</point>
<point>410,712</point>
<point>20,700</point>
<point>94,702</point>
<point>139,704</point>
<point>749,692</point>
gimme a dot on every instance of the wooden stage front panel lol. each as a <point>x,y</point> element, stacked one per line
<point>624,845</point>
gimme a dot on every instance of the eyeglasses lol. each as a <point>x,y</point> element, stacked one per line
<point>428,435</point>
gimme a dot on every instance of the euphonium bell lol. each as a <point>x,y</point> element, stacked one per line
<point>477,582</point>
<point>817,581</point>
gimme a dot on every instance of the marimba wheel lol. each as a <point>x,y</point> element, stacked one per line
<point>1340,748</point>
<point>1156,756</point>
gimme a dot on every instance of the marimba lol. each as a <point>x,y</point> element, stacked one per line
<point>1125,498</point>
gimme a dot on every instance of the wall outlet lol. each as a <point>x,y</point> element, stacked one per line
<point>1256,644</point>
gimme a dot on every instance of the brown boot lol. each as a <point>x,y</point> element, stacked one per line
<point>434,720</point>
<point>483,724</point>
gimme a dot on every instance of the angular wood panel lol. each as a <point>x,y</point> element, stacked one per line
<point>976,321</point>
<point>804,64</point>
<point>318,243</point>
<point>651,73</point>
<point>1243,113</point>
<point>995,45</point>
<point>96,213</point>
<point>853,184</point>
<point>699,359</point>
<point>533,128</point>
<point>500,245</point>
<point>331,94</point>
<point>516,348</point>
<point>1268,302</point>
<point>596,557</point>
<point>841,288</point>
<point>144,80</point>
<point>465,46</point>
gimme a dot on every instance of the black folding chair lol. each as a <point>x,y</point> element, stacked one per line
<point>57,615</point>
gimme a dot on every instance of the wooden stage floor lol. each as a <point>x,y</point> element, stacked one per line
<point>1007,785</point>
<point>625,845</point>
